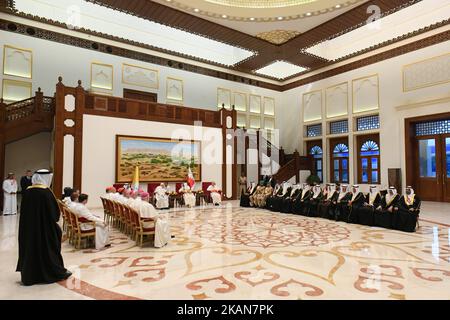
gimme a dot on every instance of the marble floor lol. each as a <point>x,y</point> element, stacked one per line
<point>243,253</point>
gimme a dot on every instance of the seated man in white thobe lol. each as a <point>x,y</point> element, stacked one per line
<point>123,196</point>
<point>72,200</point>
<point>188,196</point>
<point>215,194</point>
<point>66,195</point>
<point>162,198</point>
<point>101,229</point>
<point>10,195</point>
<point>162,226</point>
<point>110,191</point>
<point>131,198</point>
<point>116,195</point>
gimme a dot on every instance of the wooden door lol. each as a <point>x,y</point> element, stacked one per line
<point>445,172</point>
<point>339,160</point>
<point>429,164</point>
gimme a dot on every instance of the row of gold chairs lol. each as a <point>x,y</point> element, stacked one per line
<point>128,221</point>
<point>72,227</point>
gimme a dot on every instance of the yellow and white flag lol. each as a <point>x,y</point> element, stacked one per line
<point>135,183</point>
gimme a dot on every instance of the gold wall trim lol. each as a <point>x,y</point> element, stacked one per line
<point>309,122</point>
<point>19,49</point>
<point>378,93</point>
<point>244,94</point>
<point>225,91</point>
<point>168,79</point>
<point>16,83</point>
<point>156,71</point>
<point>110,66</point>
<point>255,96</point>
<point>424,103</point>
<point>432,84</point>
<point>326,100</point>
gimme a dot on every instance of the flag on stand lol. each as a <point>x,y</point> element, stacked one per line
<point>190,178</point>
<point>135,183</point>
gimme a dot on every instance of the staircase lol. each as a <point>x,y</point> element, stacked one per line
<point>290,164</point>
<point>23,119</point>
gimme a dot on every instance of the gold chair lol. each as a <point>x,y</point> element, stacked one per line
<point>140,229</point>
<point>79,234</point>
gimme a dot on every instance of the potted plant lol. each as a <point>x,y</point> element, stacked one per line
<point>313,179</point>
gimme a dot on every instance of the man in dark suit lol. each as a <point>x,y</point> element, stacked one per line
<point>25,181</point>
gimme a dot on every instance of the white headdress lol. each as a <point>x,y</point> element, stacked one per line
<point>43,177</point>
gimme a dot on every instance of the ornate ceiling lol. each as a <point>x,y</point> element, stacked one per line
<point>260,3</point>
<point>260,10</point>
<point>279,54</point>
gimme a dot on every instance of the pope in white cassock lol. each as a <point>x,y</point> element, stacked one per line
<point>162,226</point>
<point>101,229</point>
<point>10,195</point>
<point>162,199</point>
<point>215,194</point>
<point>188,196</point>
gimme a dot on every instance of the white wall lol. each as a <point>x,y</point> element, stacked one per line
<point>51,59</point>
<point>99,150</point>
<point>30,153</point>
<point>392,120</point>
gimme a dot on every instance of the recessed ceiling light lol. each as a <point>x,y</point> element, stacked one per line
<point>252,19</point>
<point>224,16</point>
<point>196,10</point>
<point>280,18</point>
<point>338,6</point>
<point>309,13</point>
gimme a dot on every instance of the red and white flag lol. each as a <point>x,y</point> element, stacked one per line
<point>190,178</point>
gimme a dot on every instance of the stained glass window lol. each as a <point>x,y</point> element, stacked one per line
<point>368,123</point>
<point>317,153</point>
<point>370,148</point>
<point>341,150</point>
<point>338,127</point>
<point>434,127</point>
<point>314,130</point>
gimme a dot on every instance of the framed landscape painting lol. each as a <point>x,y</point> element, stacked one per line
<point>159,159</point>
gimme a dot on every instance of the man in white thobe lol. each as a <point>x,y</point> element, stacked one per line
<point>162,226</point>
<point>131,198</point>
<point>162,199</point>
<point>110,191</point>
<point>121,196</point>
<point>101,229</point>
<point>188,196</point>
<point>10,195</point>
<point>215,194</point>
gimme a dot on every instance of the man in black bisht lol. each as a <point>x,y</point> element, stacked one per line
<point>40,259</point>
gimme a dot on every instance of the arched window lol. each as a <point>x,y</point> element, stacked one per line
<point>339,161</point>
<point>317,153</point>
<point>369,159</point>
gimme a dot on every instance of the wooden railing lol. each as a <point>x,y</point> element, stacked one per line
<point>292,167</point>
<point>150,111</point>
<point>24,118</point>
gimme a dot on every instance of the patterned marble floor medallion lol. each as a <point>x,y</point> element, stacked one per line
<point>240,253</point>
